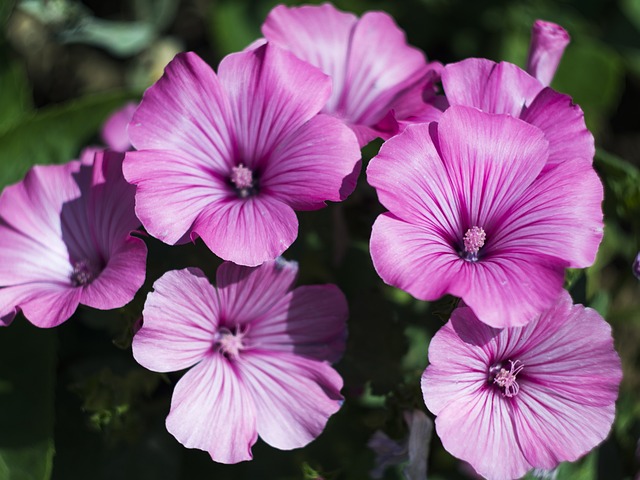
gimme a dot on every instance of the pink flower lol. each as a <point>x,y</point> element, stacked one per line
<point>525,397</point>
<point>505,88</point>
<point>258,352</point>
<point>548,41</point>
<point>229,157</point>
<point>380,83</point>
<point>473,214</point>
<point>65,240</point>
<point>114,131</point>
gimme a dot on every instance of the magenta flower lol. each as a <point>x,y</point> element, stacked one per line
<point>380,83</point>
<point>114,131</point>
<point>526,397</point>
<point>548,41</point>
<point>505,88</point>
<point>258,352</point>
<point>229,157</point>
<point>473,214</point>
<point>65,239</point>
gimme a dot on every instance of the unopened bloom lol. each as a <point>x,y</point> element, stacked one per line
<point>380,83</point>
<point>548,41</point>
<point>229,157</point>
<point>505,88</point>
<point>525,397</point>
<point>473,213</point>
<point>65,239</point>
<point>258,351</point>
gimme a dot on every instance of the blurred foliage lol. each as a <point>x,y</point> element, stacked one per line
<point>65,64</point>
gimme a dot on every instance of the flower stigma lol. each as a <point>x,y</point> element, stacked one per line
<point>242,179</point>
<point>230,343</point>
<point>506,379</point>
<point>473,240</point>
<point>83,273</point>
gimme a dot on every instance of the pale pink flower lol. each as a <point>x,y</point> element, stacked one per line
<point>380,83</point>
<point>474,213</point>
<point>527,397</point>
<point>65,239</point>
<point>258,351</point>
<point>548,41</point>
<point>230,157</point>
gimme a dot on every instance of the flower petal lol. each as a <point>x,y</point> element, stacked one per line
<point>311,165</point>
<point>456,367</point>
<point>491,160</point>
<point>247,294</point>
<point>491,87</point>
<point>247,231</point>
<point>294,396</point>
<point>318,34</point>
<point>186,110</point>
<point>180,320</point>
<point>212,410</point>
<point>45,305</point>
<point>478,428</point>
<point>412,182</point>
<point>114,131</point>
<point>563,125</point>
<point>309,321</point>
<point>121,278</point>
<point>413,258</point>
<point>381,68</point>
<point>559,216</point>
<point>172,190</point>
<point>509,289</point>
<point>272,94</point>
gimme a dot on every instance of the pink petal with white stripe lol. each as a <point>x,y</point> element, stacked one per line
<point>294,396</point>
<point>212,410</point>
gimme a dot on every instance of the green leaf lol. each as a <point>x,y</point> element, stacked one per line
<point>15,94</point>
<point>27,379</point>
<point>6,7</point>
<point>54,135</point>
<point>593,74</point>
<point>230,26</point>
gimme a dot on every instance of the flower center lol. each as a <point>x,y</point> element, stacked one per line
<point>473,241</point>
<point>242,180</point>
<point>506,379</point>
<point>230,343</point>
<point>83,273</point>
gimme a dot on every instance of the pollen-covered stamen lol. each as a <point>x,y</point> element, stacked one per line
<point>230,343</point>
<point>83,273</point>
<point>473,241</point>
<point>506,379</point>
<point>242,179</point>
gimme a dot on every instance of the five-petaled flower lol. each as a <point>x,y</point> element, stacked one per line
<point>525,397</point>
<point>65,239</point>
<point>259,352</point>
<point>473,212</point>
<point>229,157</point>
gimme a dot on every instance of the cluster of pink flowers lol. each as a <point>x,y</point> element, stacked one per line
<point>490,192</point>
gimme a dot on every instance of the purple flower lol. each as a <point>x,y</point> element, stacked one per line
<point>636,266</point>
<point>65,240</point>
<point>505,88</point>
<point>548,41</point>
<point>473,214</point>
<point>229,157</point>
<point>380,83</point>
<point>525,397</point>
<point>258,352</point>
<point>114,131</point>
